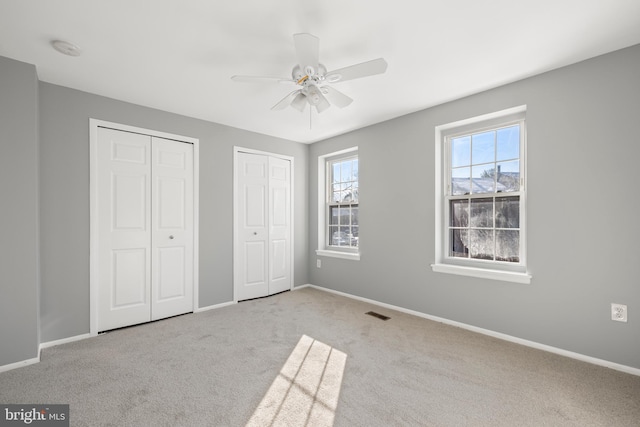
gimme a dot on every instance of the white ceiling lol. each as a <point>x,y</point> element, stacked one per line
<point>178,56</point>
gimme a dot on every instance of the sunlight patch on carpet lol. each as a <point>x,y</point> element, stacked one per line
<point>306,391</point>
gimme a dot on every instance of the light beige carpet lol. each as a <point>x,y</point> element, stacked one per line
<point>309,357</point>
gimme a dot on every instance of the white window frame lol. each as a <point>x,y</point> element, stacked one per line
<point>324,249</point>
<point>444,263</point>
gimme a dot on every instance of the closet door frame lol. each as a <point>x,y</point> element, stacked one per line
<point>236,243</point>
<point>94,124</point>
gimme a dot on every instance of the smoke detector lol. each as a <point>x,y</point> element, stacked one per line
<point>66,48</point>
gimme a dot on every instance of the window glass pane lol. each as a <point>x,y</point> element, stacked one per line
<point>345,171</point>
<point>508,143</point>
<point>483,179</point>
<point>481,244</point>
<point>347,192</point>
<point>459,243</point>
<point>507,245</point>
<point>459,213</point>
<point>354,215</point>
<point>481,213</point>
<point>483,148</point>
<point>509,176</point>
<point>341,237</point>
<point>354,191</point>
<point>354,170</point>
<point>333,215</point>
<point>334,235</point>
<point>460,181</point>
<point>335,174</point>
<point>344,215</point>
<point>461,151</point>
<point>354,236</point>
<point>336,193</point>
<point>508,212</point>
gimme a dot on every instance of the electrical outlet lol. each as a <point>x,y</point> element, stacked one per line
<point>618,312</point>
<point>319,263</point>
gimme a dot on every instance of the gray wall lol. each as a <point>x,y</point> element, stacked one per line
<point>64,159</point>
<point>18,212</point>
<point>583,227</point>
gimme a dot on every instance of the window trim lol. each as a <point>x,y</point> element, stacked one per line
<point>495,270</point>
<point>323,243</point>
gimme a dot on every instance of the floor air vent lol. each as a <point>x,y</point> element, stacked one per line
<point>378,315</point>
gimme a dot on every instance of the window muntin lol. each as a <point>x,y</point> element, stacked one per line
<point>483,199</point>
<point>342,203</point>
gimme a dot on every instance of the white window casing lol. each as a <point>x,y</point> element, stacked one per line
<point>348,246</point>
<point>485,194</point>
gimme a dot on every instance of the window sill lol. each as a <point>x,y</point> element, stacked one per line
<point>507,276</point>
<point>354,256</point>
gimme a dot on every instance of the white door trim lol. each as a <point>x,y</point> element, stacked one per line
<point>94,124</point>
<point>236,243</point>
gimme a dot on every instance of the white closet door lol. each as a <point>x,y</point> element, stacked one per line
<point>262,256</point>
<point>124,179</point>
<point>172,224</point>
<point>145,221</point>
<point>251,273</point>
<point>279,225</point>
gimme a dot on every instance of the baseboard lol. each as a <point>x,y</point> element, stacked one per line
<point>19,364</point>
<point>505,337</point>
<point>65,340</point>
<point>213,307</point>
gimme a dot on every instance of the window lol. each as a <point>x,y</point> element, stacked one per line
<point>481,197</point>
<point>338,225</point>
<point>342,203</point>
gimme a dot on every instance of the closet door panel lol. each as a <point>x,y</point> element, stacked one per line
<point>251,216</point>
<point>172,223</point>
<point>124,182</point>
<point>279,225</point>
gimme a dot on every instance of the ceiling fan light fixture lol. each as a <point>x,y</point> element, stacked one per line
<point>313,95</point>
<point>66,48</point>
<point>299,102</point>
<point>309,70</point>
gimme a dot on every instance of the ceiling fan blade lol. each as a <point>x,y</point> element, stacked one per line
<point>323,103</point>
<point>307,51</point>
<point>299,102</point>
<point>336,97</point>
<point>261,79</point>
<point>364,69</point>
<point>286,101</point>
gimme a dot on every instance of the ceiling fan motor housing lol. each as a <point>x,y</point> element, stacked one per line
<point>315,75</point>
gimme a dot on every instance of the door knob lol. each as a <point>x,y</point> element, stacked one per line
<point>171,237</point>
<point>255,233</point>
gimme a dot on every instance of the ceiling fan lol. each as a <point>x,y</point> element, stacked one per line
<point>312,77</point>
